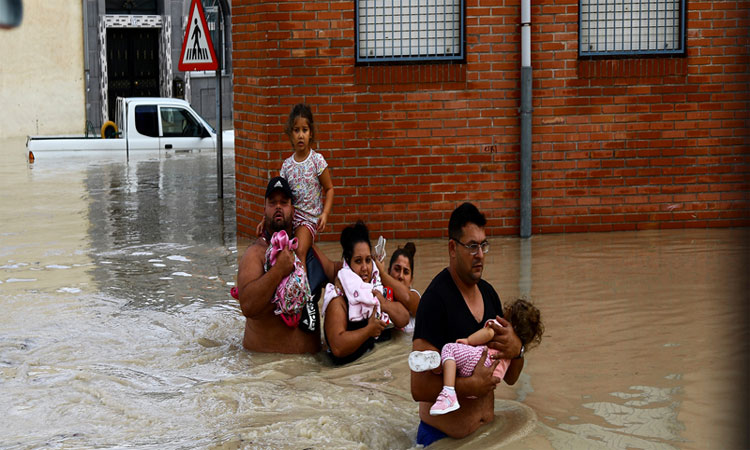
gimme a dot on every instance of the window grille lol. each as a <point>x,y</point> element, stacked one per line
<point>631,27</point>
<point>131,7</point>
<point>409,30</point>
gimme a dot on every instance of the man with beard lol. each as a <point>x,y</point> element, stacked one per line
<point>264,330</point>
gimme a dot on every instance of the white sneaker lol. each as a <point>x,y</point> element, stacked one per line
<point>424,361</point>
<point>380,249</point>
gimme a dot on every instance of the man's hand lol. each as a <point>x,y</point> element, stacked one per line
<point>505,341</point>
<point>483,382</point>
<point>285,261</point>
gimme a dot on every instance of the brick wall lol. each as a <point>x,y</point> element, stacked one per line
<point>618,144</point>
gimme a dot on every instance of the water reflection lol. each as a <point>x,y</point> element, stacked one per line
<point>158,231</point>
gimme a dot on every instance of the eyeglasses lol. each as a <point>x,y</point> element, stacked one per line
<point>474,248</point>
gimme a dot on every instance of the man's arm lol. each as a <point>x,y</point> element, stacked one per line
<point>514,371</point>
<point>255,287</point>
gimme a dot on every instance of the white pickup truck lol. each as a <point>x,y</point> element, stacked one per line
<point>142,123</point>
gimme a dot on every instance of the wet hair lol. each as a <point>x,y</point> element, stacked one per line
<point>352,235</point>
<point>408,250</point>
<point>304,111</point>
<point>527,322</point>
<point>466,213</point>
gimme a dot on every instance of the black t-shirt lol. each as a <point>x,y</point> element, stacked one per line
<point>443,315</point>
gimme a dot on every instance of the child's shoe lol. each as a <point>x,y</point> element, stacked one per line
<point>380,249</point>
<point>424,361</point>
<point>445,403</point>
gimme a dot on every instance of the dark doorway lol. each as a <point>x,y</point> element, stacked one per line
<point>132,64</point>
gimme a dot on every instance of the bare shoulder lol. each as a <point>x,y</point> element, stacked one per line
<point>258,247</point>
<point>254,255</point>
<point>337,309</point>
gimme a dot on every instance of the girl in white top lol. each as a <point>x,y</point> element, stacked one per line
<point>308,176</point>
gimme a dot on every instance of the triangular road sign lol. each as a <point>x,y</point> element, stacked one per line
<point>197,49</point>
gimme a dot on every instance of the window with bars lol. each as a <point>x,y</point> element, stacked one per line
<point>409,30</point>
<point>631,27</point>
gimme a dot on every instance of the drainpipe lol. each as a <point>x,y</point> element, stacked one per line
<point>86,73</point>
<point>221,22</point>
<point>526,110</point>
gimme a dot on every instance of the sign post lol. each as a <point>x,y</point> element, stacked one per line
<point>220,133</point>
<point>198,54</point>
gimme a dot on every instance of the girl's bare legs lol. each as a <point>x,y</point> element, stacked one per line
<point>447,400</point>
<point>449,373</point>
<point>304,242</point>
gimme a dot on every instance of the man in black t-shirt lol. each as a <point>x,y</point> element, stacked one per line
<point>457,303</point>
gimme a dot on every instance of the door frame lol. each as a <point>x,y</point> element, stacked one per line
<point>163,23</point>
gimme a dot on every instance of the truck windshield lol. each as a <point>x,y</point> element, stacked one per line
<point>177,122</point>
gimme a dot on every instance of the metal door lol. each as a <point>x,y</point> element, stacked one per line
<point>132,63</point>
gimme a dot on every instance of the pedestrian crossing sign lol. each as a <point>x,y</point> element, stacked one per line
<point>197,48</point>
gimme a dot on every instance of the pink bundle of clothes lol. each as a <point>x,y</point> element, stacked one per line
<point>294,290</point>
<point>358,294</point>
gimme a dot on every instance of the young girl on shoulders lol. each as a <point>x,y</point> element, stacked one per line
<point>308,176</point>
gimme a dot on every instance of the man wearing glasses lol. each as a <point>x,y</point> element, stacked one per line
<point>457,303</point>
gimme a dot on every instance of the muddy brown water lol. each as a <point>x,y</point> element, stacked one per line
<point>118,331</point>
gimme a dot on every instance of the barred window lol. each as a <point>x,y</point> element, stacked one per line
<point>409,30</point>
<point>630,27</point>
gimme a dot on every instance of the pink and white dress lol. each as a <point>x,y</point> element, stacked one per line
<point>308,192</point>
<point>467,357</point>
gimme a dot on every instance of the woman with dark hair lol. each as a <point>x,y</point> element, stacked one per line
<point>356,313</point>
<point>401,270</point>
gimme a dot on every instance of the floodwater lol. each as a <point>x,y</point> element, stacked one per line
<point>117,328</point>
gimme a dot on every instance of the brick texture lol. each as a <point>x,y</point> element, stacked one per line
<point>618,144</point>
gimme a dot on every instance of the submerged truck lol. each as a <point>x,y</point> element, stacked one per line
<point>141,123</point>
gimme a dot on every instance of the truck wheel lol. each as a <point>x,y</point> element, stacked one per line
<point>109,130</point>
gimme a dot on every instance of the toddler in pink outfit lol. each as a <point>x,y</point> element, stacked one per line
<point>460,358</point>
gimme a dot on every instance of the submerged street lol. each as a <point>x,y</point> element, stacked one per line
<point>118,328</point>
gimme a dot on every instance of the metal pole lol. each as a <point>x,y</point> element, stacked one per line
<point>219,131</point>
<point>524,273</point>
<point>526,111</point>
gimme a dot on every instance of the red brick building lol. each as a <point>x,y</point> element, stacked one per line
<point>620,142</point>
